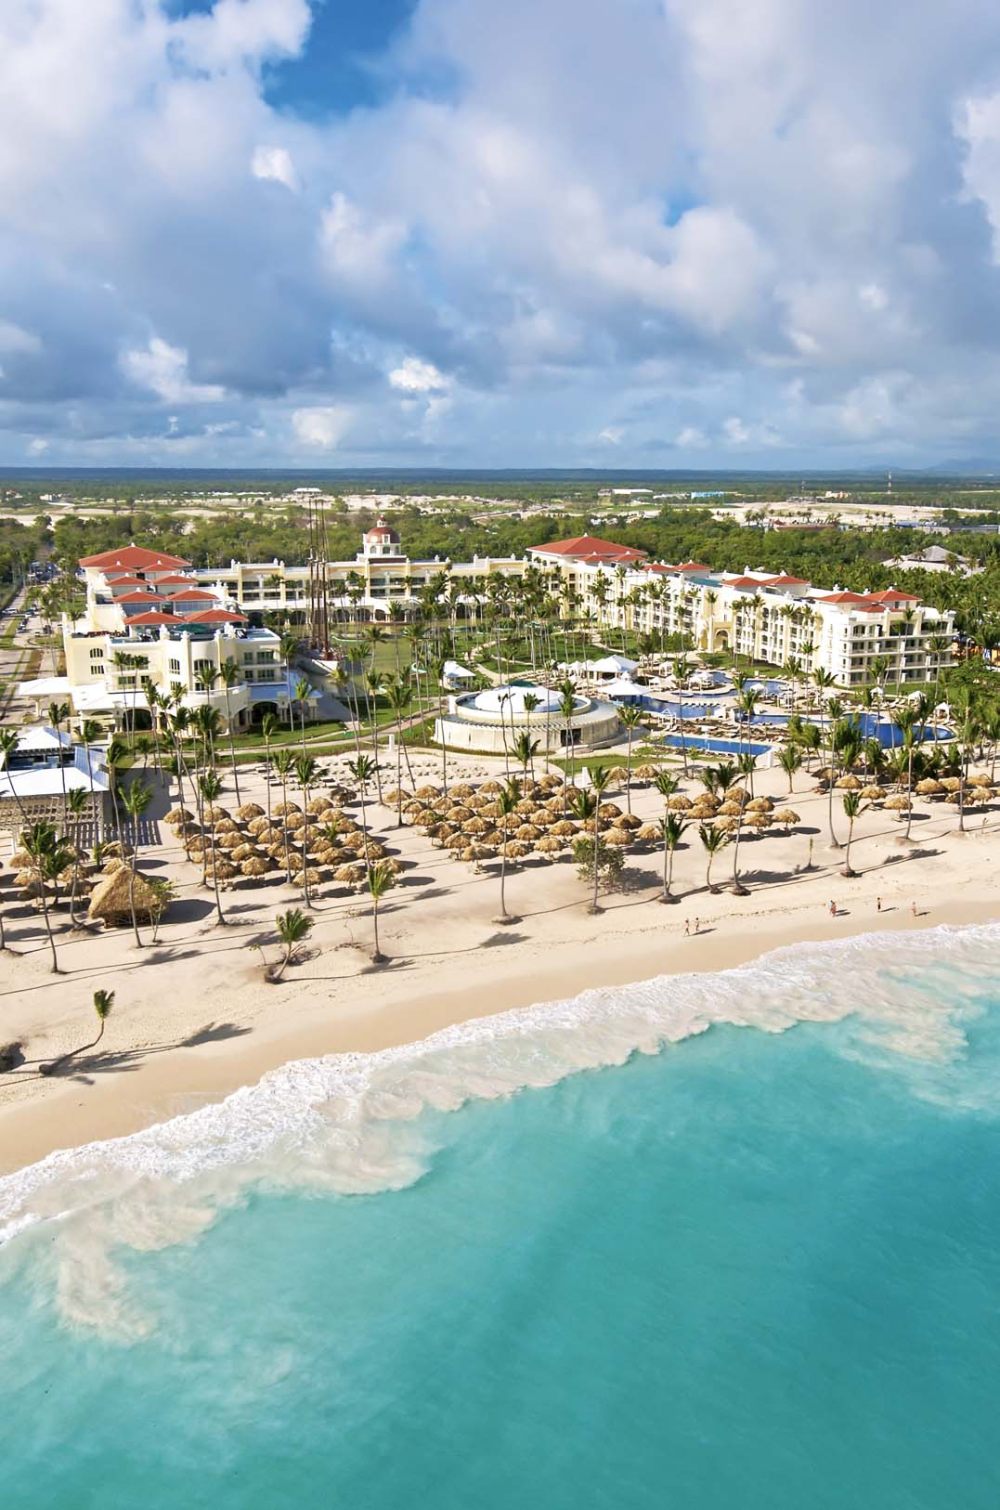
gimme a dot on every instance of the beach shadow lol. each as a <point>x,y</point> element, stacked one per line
<point>214,1032</point>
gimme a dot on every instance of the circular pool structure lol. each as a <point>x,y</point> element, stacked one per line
<point>489,722</point>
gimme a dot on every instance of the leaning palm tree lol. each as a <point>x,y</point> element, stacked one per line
<point>103,1002</point>
<point>586,805</point>
<point>713,840</point>
<point>135,799</point>
<point>507,799</point>
<point>631,717</point>
<point>211,788</point>
<point>303,692</point>
<point>852,808</point>
<point>400,694</point>
<point>672,827</point>
<point>293,928</point>
<point>381,878</point>
<point>525,750</point>
<point>362,770</point>
<point>666,784</point>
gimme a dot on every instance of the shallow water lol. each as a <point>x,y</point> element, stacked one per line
<point>758,1268</point>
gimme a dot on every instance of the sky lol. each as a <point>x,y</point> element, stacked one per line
<point>606,233</point>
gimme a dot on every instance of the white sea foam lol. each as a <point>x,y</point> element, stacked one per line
<point>349,1124</point>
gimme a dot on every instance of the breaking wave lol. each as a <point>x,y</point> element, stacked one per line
<point>351,1123</point>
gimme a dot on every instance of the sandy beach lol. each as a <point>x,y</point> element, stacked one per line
<point>194,1018</point>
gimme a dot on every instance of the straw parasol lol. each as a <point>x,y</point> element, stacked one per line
<point>476,852</point>
<point>459,814</point>
<point>787,816</point>
<point>350,874</point>
<point>229,841</point>
<point>456,842</point>
<point>619,774</point>
<point>254,867</point>
<point>295,821</point>
<point>491,786</point>
<point>679,803</point>
<point>214,814</point>
<point>178,815</point>
<point>609,810</point>
<point>873,793</point>
<point>849,783</point>
<point>310,877</point>
<point>951,783</point>
<point>21,860</point>
<point>526,806</point>
<point>225,826</point>
<point>242,852</point>
<point>258,826</point>
<point>515,849</point>
<point>731,809</point>
<point>550,845</point>
<point>757,820</point>
<point>646,772</point>
<point>618,838</point>
<point>727,825</point>
<point>930,788</point>
<point>629,820</point>
<point>249,810</point>
<point>283,809</point>
<point>554,804</point>
<point>528,832</point>
<point>463,789</point>
<point>113,866</point>
<point>979,778</point>
<point>649,833</point>
<point>111,902</point>
<point>565,829</point>
<point>475,826</point>
<point>760,805</point>
<point>428,791</point>
<point>900,803</point>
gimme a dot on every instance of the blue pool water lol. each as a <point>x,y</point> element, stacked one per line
<point>757,1269</point>
<point>711,745</point>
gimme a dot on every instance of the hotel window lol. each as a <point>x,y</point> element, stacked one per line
<point>175,668</point>
<point>97,655</point>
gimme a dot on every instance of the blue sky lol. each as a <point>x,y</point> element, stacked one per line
<point>646,233</point>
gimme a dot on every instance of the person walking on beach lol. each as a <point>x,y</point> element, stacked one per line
<point>687,928</point>
<point>833,909</point>
<point>878,904</point>
<point>913,909</point>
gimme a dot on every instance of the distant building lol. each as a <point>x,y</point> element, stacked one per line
<point>935,558</point>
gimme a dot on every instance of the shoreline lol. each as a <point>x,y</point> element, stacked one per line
<point>163,1087</point>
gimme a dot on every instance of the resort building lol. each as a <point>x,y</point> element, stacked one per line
<point>148,624</point>
<point>151,615</point>
<point>489,722</point>
<point>778,619</point>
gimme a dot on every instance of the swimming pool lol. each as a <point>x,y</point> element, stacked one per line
<point>709,744</point>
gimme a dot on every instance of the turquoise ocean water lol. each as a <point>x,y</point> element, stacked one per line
<point>756,1268</point>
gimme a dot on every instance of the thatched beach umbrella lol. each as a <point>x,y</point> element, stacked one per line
<point>463,789</point>
<point>873,793</point>
<point>565,829</point>
<point>849,783</point>
<point>310,877</point>
<point>229,841</point>
<point>254,867</point>
<point>618,838</point>
<point>679,803</point>
<point>225,826</point>
<point>550,845</point>
<point>930,788</point>
<point>514,849</point>
<point>248,811</point>
<point>951,783</point>
<point>900,803</point>
<point>178,815</point>
<point>475,826</point>
<point>113,898</point>
<point>786,816</point>
<point>979,778</point>
<point>628,820</point>
<point>242,852</point>
<point>609,810</point>
<point>320,805</point>
<point>284,809</point>
<point>527,832</point>
<point>649,833</point>
<point>757,820</point>
<point>350,875</point>
<point>490,787</point>
<point>760,805</point>
<point>726,825</point>
<point>646,772</point>
<point>428,791</point>
<point>214,814</point>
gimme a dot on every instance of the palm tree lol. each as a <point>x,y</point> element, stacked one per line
<point>586,805</point>
<point>672,827</point>
<point>283,762</point>
<point>362,769</point>
<point>381,878</point>
<point>8,748</point>
<point>136,799</point>
<point>567,708</point>
<point>631,717</point>
<point>303,689</point>
<point>438,672</point>
<point>507,799</point>
<point>269,727</point>
<point>525,750</point>
<point>293,928</point>
<point>229,673</point>
<point>790,761</point>
<point>852,808</point>
<point>211,787</point>
<point>400,693</point>
<point>103,1002</point>
<point>713,839</point>
<point>57,713</point>
<point>77,801</point>
<point>51,856</point>
<point>306,771</point>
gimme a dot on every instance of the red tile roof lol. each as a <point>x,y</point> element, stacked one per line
<point>693,566</point>
<point>154,617</point>
<point>784,581</point>
<point>137,597</point>
<point>892,596</point>
<point>744,582</point>
<point>192,595</point>
<point>591,549</point>
<point>215,616</point>
<point>133,558</point>
<point>175,580</point>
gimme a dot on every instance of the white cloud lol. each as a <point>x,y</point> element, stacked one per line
<point>321,427</point>
<point>612,435</point>
<point>414,376</point>
<point>14,339</point>
<point>691,438</point>
<point>163,369</point>
<point>275,164</point>
<point>737,433</point>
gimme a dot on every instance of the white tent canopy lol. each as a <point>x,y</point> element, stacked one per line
<point>454,672</point>
<point>613,665</point>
